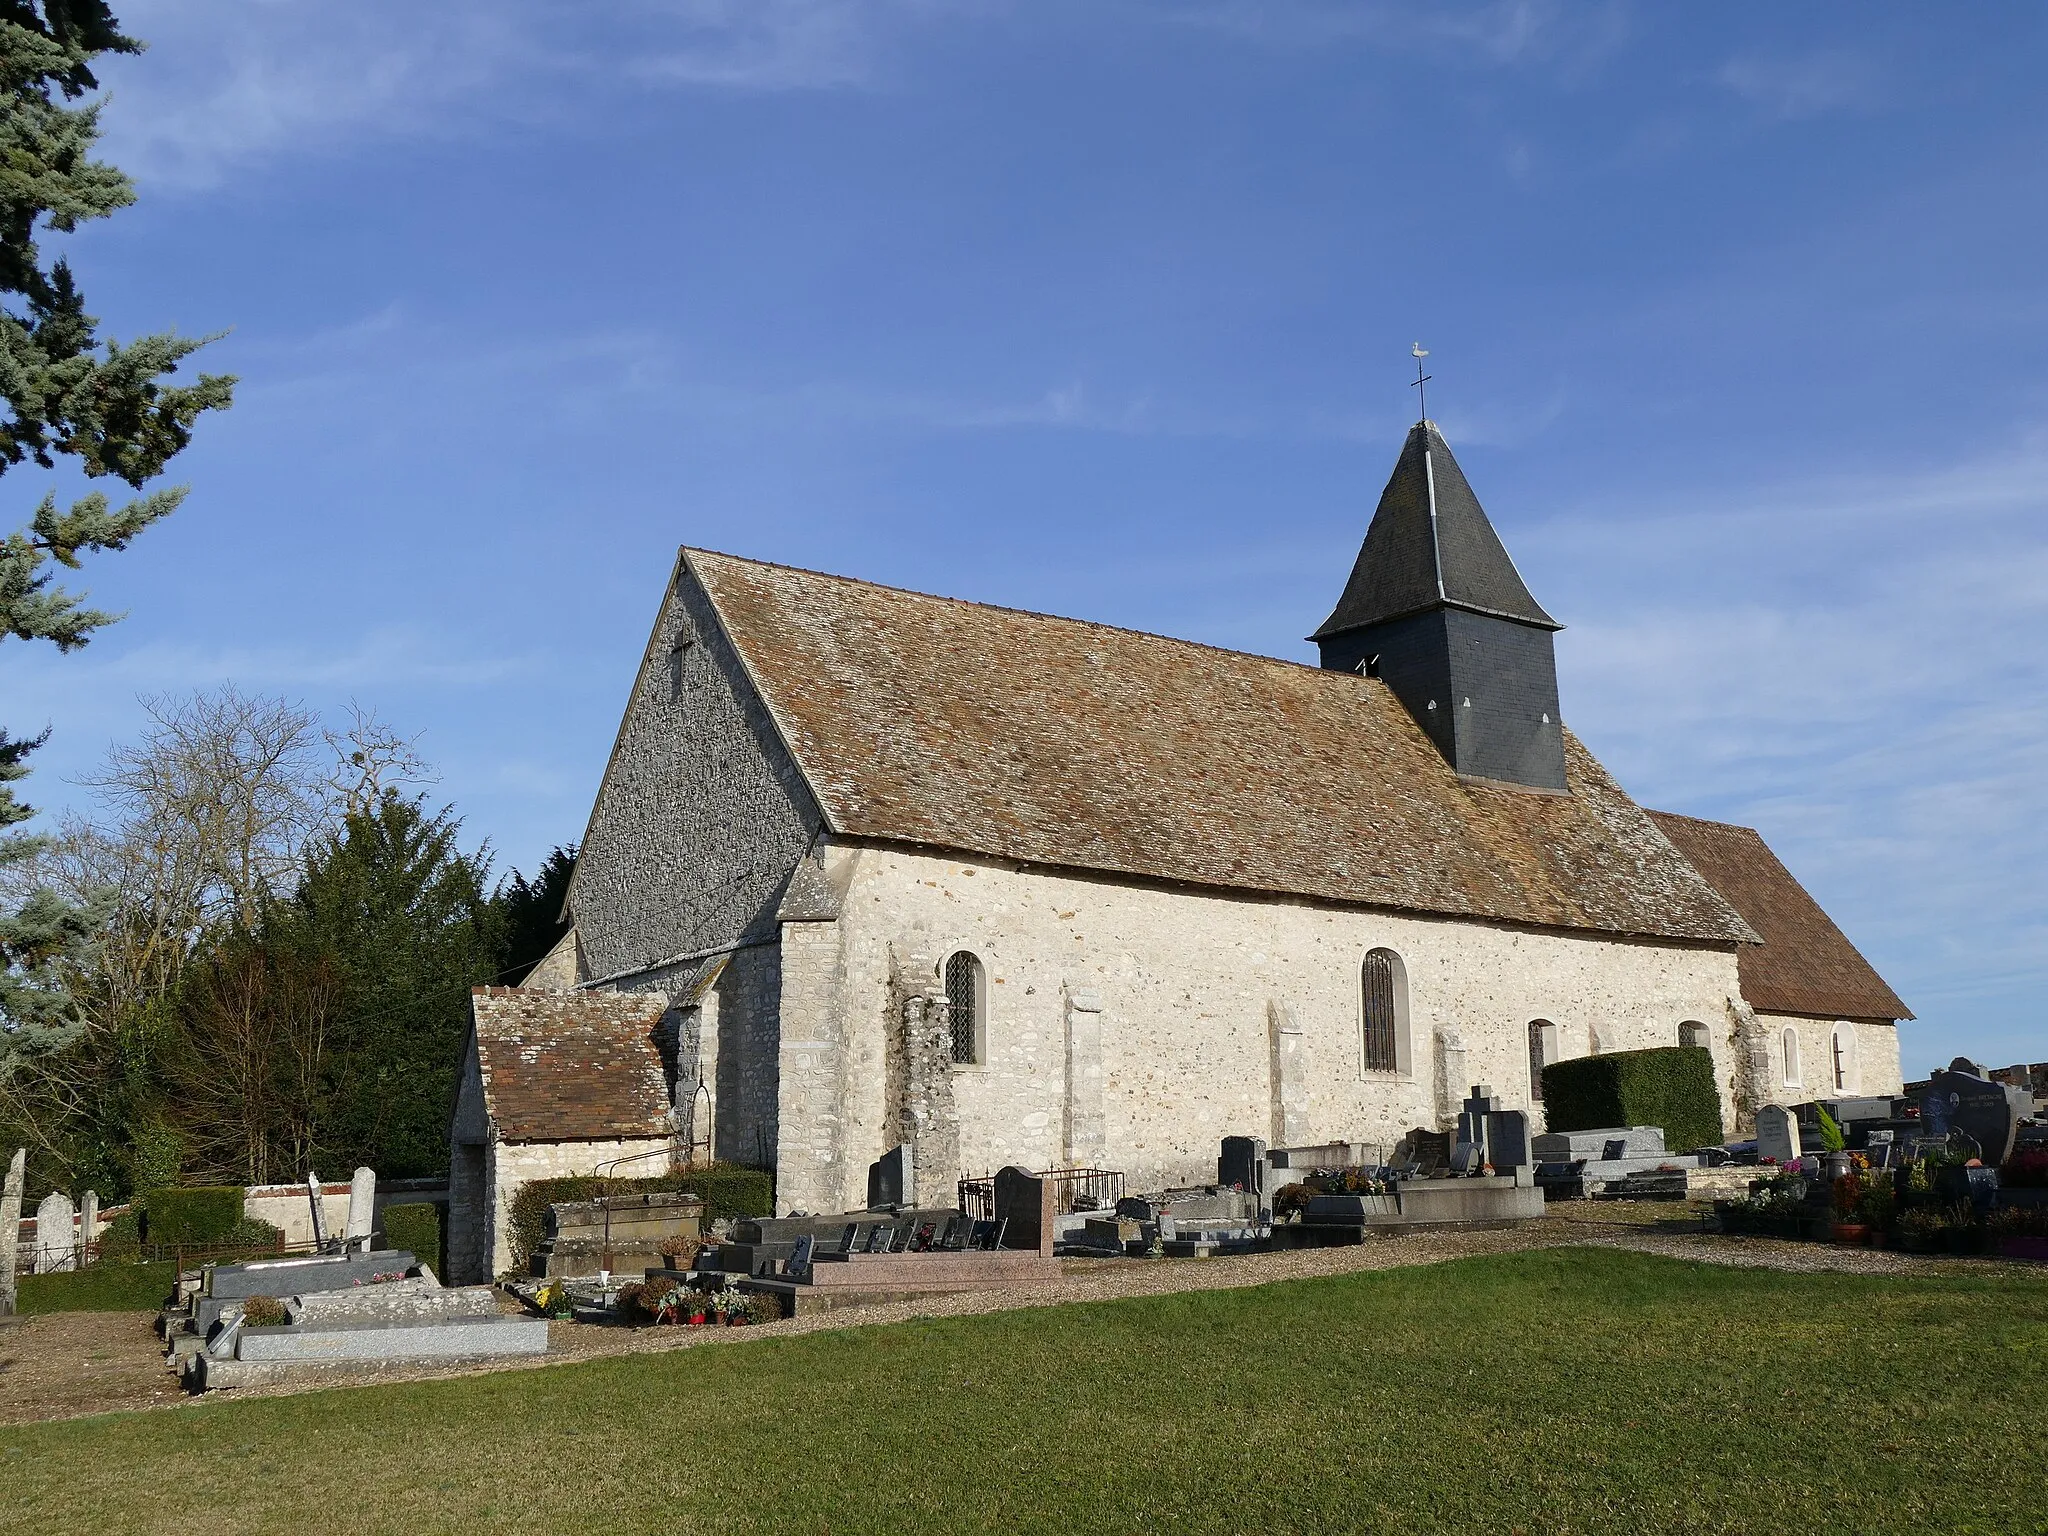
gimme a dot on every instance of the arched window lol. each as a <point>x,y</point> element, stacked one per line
<point>1842,1041</point>
<point>1693,1032</point>
<point>1384,988</point>
<point>1542,1052</point>
<point>1790,1044</point>
<point>966,1002</point>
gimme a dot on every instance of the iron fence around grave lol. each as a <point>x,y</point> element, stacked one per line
<point>1074,1189</point>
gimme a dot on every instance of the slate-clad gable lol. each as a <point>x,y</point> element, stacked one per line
<point>571,1066</point>
<point>934,722</point>
<point>1804,964</point>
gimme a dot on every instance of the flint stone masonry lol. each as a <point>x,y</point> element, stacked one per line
<point>702,816</point>
<point>1871,1064</point>
<point>1188,982</point>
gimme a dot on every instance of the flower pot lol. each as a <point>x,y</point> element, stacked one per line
<point>1851,1234</point>
<point>737,1320</point>
<point>696,1319</point>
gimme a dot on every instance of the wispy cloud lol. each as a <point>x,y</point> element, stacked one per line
<point>1791,86</point>
<point>1500,32</point>
<point>1855,666</point>
<point>237,82</point>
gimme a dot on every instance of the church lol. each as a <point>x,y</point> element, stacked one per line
<point>872,868</point>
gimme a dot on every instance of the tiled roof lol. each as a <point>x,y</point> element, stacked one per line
<point>571,1066</point>
<point>1430,545</point>
<point>1805,964</point>
<point>1050,741</point>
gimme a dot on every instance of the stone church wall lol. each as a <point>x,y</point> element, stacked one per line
<point>701,816</point>
<point>1194,1008</point>
<point>1871,1062</point>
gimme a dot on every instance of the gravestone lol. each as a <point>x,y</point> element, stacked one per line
<point>1507,1138</point>
<point>1473,1118</point>
<point>88,1226</point>
<point>1242,1164</point>
<point>1777,1133</point>
<point>880,1235</point>
<point>10,1229</point>
<point>1024,1205</point>
<point>799,1265</point>
<point>319,1216</point>
<point>56,1252</point>
<point>1465,1157</point>
<point>362,1207</point>
<point>892,1179</point>
<point>1988,1113</point>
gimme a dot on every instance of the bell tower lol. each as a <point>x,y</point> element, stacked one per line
<point>1436,608</point>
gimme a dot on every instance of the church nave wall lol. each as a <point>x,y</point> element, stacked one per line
<point>1185,992</point>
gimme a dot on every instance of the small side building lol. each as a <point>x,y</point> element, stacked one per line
<point>552,1083</point>
<point>1824,1023</point>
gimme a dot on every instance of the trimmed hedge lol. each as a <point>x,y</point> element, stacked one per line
<point>417,1229</point>
<point>727,1190</point>
<point>1671,1086</point>
<point>198,1216</point>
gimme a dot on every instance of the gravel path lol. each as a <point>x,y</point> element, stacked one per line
<point>69,1364</point>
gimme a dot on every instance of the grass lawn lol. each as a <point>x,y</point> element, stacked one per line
<point>105,1287</point>
<point>1563,1390</point>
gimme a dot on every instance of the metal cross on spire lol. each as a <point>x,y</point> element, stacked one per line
<point>1421,378</point>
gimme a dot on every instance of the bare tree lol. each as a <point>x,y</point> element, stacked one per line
<point>369,758</point>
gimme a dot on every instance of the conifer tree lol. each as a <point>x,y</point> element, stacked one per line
<point>107,407</point>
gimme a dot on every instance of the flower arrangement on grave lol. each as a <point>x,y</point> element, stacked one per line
<point>1291,1200</point>
<point>1923,1228</point>
<point>553,1300</point>
<point>2025,1170</point>
<point>1830,1131</point>
<point>763,1308</point>
<point>2019,1221</point>
<point>264,1312</point>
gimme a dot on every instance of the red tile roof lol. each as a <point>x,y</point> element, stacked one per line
<point>1805,964</point>
<point>932,721</point>
<point>571,1066</point>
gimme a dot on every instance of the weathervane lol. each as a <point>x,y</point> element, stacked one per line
<point>1421,378</point>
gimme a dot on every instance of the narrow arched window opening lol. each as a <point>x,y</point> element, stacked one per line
<point>1693,1032</point>
<point>965,1005</point>
<point>1790,1044</point>
<point>1844,1057</point>
<point>1385,1011</point>
<point>1542,1052</point>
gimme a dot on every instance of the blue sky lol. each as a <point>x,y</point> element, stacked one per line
<point>1736,317</point>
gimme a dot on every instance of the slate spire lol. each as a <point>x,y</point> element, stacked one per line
<point>1431,545</point>
<point>1436,608</point>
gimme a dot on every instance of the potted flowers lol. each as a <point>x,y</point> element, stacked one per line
<point>1849,1228</point>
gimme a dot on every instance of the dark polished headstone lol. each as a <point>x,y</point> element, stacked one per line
<point>1242,1164</point>
<point>1988,1113</point>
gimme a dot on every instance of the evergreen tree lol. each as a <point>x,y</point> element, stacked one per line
<point>111,411</point>
<point>405,920</point>
<point>533,914</point>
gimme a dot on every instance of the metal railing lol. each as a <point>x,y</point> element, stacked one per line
<point>1100,1188</point>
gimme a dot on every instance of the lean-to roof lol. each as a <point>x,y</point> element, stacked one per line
<point>571,1066</point>
<point>1805,964</point>
<point>1013,735</point>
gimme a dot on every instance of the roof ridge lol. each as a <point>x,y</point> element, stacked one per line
<point>1706,821</point>
<point>1026,613</point>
